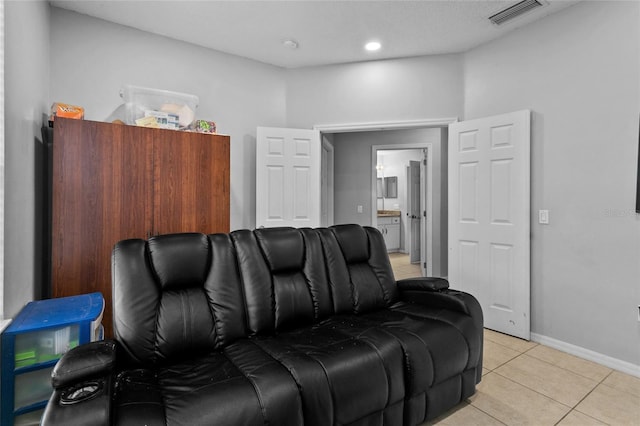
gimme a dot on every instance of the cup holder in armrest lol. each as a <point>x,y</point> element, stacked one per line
<point>81,392</point>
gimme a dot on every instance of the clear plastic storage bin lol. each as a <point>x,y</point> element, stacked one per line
<point>32,387</point>
<point>45,345</point>
<point>172,110</point>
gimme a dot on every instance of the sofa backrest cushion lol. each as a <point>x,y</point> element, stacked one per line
<point>283,248</point>
<point>363,276</point>
<point>179,261</point>
<point>337,273</point>
<point>176,295</point>
<point>180,294</point>
<point>284,278</point>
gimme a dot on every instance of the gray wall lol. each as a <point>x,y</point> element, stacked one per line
<point>26,63</point>
<point>398,89</point>
<point>91,60</point>
<point>579,72</point>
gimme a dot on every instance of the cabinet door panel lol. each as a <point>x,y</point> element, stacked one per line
<point>191,183</point>
<point>113,182</point>
<point>392,237</point>
<point>98,186</point>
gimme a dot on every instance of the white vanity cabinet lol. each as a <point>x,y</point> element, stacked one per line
<point>389,226</point>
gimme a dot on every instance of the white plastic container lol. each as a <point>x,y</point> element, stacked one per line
<point>143,102</point>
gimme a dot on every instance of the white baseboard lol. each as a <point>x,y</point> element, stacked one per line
<point>607,361</point>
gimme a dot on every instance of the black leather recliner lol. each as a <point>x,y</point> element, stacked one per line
<point>277,326</point>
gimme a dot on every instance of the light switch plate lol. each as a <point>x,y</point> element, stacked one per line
<point>543,217</point>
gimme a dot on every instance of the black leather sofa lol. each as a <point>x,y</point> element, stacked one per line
<point>271,327</point>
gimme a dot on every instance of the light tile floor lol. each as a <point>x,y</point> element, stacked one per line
<point>401,266</point>
<point>525,383</point>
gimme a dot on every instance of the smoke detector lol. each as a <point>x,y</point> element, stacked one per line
<point>515,11</point>
<point>290,44</point>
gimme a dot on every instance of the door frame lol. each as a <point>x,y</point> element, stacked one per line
<point>326,184</point>
<point>385,125</point>
<point>371,126</point>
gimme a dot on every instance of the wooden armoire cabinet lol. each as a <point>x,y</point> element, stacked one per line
<point>112,182</point>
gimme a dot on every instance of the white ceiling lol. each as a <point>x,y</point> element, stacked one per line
<point>327,32</point>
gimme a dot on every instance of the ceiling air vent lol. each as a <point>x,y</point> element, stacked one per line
<point>514,11</point>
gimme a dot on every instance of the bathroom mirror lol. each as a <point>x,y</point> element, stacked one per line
<point>390,187</point>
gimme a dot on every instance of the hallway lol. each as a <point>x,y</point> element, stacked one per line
<point>402,268</point>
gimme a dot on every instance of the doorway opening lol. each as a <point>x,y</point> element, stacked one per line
<point>354,194</point>
<point>403,205</point>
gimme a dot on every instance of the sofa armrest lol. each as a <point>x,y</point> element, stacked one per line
<point>83,382</point>
<point>447,299</point>
<point>423,284</point>
<point>436,294</point>
<point>95,359</point>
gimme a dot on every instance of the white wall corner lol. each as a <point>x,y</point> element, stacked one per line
<point>4,323</point>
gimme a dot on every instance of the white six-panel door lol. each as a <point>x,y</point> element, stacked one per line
<point>489,217</point>
<point>287,177</point>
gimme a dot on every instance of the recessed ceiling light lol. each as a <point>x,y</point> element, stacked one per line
<point>372,46</point>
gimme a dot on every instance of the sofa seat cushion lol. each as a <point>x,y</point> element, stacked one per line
<point>447,348</point>
<point>434,356</point>
<point>244,384</point>
<point>189,391</point>
<point>341,379</point>
<point>470,329</point>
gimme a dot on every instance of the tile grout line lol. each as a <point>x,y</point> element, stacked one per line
<point>574,408</point>
<point>571,408</point>
<point>510,359</point>
<point>562,368</point>
<point>516,350</point>
<point>532,390</point>
<point>527,387</point>
<point>578,411</point>
<point>567,370</point>
<point>493,417</point>
<point>505,363</point>
<point>559,366</point>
